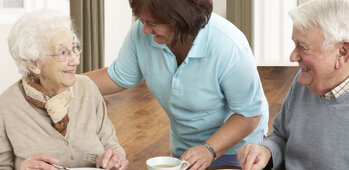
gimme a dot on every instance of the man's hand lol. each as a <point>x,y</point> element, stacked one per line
<point>253,157</point>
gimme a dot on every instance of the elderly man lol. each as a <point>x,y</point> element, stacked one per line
<point>311,130</point>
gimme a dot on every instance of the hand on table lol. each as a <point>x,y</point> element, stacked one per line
<point>253,157</point>
<point>39,162</point>
<point>112,160</point>
<point>198,157</point>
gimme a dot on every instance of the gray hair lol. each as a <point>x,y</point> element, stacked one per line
<point>31,34</point>
<point>331,16</point>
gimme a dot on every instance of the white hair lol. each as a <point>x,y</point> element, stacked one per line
<point>331,16</point>
<point>31,33</point>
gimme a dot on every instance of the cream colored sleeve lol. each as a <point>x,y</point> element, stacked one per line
<point>6,151</point>
<point>106,132</point>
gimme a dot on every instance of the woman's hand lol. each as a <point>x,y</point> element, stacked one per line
<point>112,160</point>
<point>198,157</point>
<point>253,157</point>
<point>39,162</point>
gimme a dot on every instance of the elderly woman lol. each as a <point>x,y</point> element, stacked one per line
<point>52,116</point>
<point>311,131</point>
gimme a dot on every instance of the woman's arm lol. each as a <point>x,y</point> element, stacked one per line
<point>6,151</point>
<point>114,155</point>
<point>106,131</point>
<point>236,128</point>
<point>104,83</point>
<point>231,133</point>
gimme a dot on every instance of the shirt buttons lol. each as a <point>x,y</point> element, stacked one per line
<point>71,157</point>
<point>66,142</point>
<point>172,60</point>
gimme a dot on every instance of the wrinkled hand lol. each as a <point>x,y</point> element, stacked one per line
<point>199,157</point>
<point>39,162</point>
<point>112,160</point>
<point>253,157</point>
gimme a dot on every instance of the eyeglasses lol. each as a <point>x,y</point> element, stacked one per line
<point>65,54</point>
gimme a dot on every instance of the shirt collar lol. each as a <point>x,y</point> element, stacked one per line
<point>199,47</point>
<point>338,91</point>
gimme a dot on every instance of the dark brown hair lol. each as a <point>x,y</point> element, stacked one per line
<point>187,17</point>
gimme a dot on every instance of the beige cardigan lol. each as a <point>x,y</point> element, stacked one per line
<point>26,129</point>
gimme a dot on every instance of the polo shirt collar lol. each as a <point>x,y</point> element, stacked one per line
<point>199,48</point>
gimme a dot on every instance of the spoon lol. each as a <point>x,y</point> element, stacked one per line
<point>60,167</point>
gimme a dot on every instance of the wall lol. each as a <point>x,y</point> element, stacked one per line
<point>118,20</point>
<point>301,1</point>
<point>8,73</point>
<point>220,7</point>
<point>272,32</point>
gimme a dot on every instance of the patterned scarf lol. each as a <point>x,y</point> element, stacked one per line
<point>56,106</point>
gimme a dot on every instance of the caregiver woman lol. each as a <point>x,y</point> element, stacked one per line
<point>201,69</point>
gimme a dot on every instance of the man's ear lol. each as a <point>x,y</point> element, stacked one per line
<point>34,67</point>
<point>343,55</point>
<point>344,50</point>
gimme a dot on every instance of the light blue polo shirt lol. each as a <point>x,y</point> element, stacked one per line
<point>217,79</point>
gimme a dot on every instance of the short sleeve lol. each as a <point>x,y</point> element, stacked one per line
<point>241,84</point>
<point>125,69</point>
